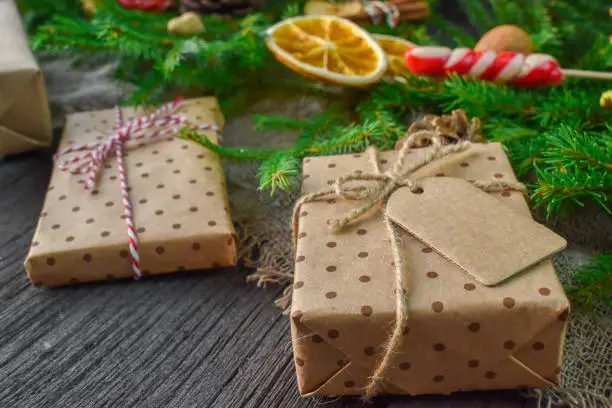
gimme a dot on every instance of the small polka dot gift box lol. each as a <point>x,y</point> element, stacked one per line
<point>390,294</point>
<point>156,203</point>
<point>25,122</point>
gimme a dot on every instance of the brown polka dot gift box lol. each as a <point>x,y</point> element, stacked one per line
<point>422,272</point>
<point>133,200</point>
<point>25,122</point>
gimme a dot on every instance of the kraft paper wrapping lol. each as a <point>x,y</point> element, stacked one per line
<point>179,203</point>
<point>461,335</point>
<point>25,122</point>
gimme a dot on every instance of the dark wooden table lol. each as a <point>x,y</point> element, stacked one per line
<point>185,340</point>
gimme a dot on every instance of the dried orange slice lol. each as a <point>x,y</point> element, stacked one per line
<point>394,48</point>
<point>327,48</point>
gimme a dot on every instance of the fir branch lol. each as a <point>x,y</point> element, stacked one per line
<point>228,152</point>
<point>280,170</point>
<point>593,282</point>
<point>557,187</point>
<point>354,138</point>
<point>582,150</point>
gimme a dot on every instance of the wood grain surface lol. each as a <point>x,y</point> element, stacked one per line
<point>203,339</point>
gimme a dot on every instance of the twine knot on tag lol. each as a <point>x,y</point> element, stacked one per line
<point>98,152</point>
<point>358,186</point>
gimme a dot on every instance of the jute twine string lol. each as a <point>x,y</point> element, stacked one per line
<point>385,185</point>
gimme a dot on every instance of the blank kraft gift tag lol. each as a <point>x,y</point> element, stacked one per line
<point>472,229</point>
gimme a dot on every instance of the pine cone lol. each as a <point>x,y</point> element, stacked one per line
<point>222,7</point>
<point>452,128</point>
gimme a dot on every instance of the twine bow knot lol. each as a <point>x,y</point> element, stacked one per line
<point>98,152</point>
<point>388,182</point>
<point>385,185</point>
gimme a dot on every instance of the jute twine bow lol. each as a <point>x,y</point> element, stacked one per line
<point>97,153</point>
<point>385,184</point>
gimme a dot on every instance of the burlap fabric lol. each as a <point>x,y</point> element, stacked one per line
<point>265,227</point>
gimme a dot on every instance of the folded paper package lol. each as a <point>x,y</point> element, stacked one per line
<point>162,209</point>
<point>466,271</point>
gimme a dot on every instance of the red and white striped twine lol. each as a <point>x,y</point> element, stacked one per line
<point>97,153</point>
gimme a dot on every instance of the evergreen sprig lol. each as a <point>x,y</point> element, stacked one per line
<point>593,282</point>
<point>227,56</point>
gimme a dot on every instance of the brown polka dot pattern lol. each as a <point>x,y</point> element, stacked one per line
<point>298,285</point>
<point>349,384</point>
<point>361,231</point>
<point>498,175</point>
<point>473,363</point>
<point>544,291</point>
<point>437,307</point>
<point>439,347</point>
<point>87,257</point>
<point>438,378</point>
<point>333,334</point>
<point>538,346</point>
<point>331,244</point>
<point>509,302</point>
<point>366,310</point>
<point>331,268</point>
<point>300,258</point>
<point>369,351</point>
<point>427,250</point>
<point>509,344</point>
<point>432,274</point>
<point>331,295</point>
<point>465,164</point>
<point>317,339</point>
<point>405,366</point>
<point>490,375</point>
<point>469,287</point>
<point>364,278</point>
<point>473,327</point>
<point>362,254</point>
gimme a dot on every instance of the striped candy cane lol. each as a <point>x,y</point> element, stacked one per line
<point>166,123</point>
<point>510,67</point>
